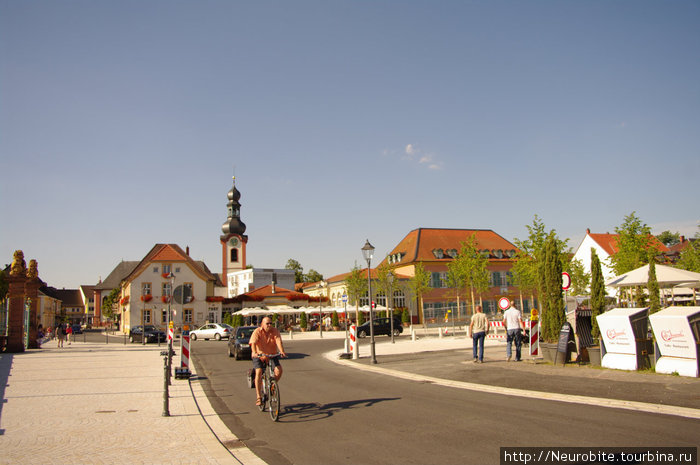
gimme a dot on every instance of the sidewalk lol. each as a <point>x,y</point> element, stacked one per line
<point>103,404</point>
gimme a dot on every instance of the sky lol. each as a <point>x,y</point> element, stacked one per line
<point>123,122</point>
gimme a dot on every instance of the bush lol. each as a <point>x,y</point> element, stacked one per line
<point>405,316</point>
<point>335,322</point>
<point>302,321</point>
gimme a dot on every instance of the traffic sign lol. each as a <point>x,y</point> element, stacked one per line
<point>565,281</point>
<point>504,303</point>
<point>345,298</point>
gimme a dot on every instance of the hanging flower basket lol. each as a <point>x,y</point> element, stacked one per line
<point>214,298</point>
<point>165,275</point>
<point>165,299</point>
<point>146,298</point>
<point>124,300</point>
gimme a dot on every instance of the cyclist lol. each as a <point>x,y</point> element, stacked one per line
<point>265,340</point>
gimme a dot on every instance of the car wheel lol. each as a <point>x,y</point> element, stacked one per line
<point>362,334</point>
<point>217,337</point>
<point>131,339</point>
<point>397,331</point>
<point>193,336</point>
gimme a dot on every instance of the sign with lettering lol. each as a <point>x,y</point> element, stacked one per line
<point>673,333</point>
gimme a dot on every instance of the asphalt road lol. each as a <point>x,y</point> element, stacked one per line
<point>334,414</point>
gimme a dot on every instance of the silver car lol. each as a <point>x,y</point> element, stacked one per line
<point>211,331</point>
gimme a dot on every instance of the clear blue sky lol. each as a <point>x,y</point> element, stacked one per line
<point>122,122</point>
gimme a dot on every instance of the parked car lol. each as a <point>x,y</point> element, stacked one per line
<point>77,329</point>
<point>381,326</point>
<point>152,334</point>
<point>211,331</point>
<point>238,345</point>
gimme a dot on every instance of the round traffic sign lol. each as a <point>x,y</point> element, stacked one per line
<point>504,303</point>
<point>565,281</point>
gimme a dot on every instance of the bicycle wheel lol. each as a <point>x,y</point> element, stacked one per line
<point>263,393</point>
<point>274,400</point>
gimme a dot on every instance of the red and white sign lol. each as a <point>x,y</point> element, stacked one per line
<point>504,303</point>
<point>565,281</point>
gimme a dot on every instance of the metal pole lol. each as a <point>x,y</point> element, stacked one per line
<point>143,324</point>
<point>320,312</point>
<point>389,301</point>
<point>371,313</point>
<point>166,395</point>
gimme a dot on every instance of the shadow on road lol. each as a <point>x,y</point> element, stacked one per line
<point>313,411</point>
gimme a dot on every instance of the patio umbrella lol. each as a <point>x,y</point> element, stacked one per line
<point>254,311</point>
<point>667,276</point>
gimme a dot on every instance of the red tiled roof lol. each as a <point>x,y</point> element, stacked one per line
<point>419,244</point>
<point>608,242</point>
<point>266,291</point>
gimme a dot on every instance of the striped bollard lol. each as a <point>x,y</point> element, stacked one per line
<point>534,337</point>
<point>353,343</point>
<point>170,335</point>
<point>184,371</point>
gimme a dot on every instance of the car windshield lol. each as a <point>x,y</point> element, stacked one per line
<point>245,333</point>
<point>151,328</point>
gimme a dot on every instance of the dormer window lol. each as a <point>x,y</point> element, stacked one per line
<point>438,253</point>
<point>452,253</point>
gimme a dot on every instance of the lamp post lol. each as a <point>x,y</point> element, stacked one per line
<point>171,276</point>
<point>390,301</point>
<point>367,252</point>
<point>322,284</point>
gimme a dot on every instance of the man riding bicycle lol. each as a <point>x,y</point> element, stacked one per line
<point>265,340</point>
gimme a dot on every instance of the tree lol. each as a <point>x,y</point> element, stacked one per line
<point>298,270</point>
<point>653,288</point>
<point>111,302</point>
<point>580,280</point>
<point>690,256</point>
<point>597,300</point>
<point>419,284</point>
<point>356,288</point>
<point>335,321</point>
<point>303,323</point>
<point>312,276</point>
<point>553,316</point>
<point>385,285</point>
<point>668,238</point>
<point>469,270</point>
<point>634,245</point>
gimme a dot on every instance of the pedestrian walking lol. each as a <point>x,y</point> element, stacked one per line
<point>514,327</point>
<point>479,328</point>
<point>69,332</point>
<point>60,335</point>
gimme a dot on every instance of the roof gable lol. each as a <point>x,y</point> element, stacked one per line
<point>608,242</point>
<point>171,253</point>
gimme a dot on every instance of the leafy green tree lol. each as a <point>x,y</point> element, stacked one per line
<point>303,323</point>
<point>553,316</point>
<point>111,302</point>
<point>356,287</point>
<point>298,270</point>
<point>668,238</point>
<point>653,288</point>
<point>469,271</point>
<point>634,245</point>
<point>385,285</point>
<point>312,276</point>
<point>597,292</point>
<point>419,284</point>
<point>405,317</point>
<point>335,321</point>
<point>580,280</point>
<point>690,256</point>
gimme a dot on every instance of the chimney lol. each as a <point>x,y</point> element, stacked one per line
<point>682,239</point>
<point>588,230</point>
<point>187,250</point>
<point>274,278</point>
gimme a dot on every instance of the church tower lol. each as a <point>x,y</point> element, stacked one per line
<point>233,241</point>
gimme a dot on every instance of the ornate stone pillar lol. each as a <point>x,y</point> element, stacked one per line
<point>31,291</point>
<point>15,317</point>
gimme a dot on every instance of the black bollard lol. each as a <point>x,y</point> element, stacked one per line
<point>166,395</point>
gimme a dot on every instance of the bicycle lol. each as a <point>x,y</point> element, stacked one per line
<point>269,390</point>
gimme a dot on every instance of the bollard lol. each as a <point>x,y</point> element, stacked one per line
<point>439,333</point>
<point>291,334</point>
<point>166,394</point>
<point>413,334</point>
<point>106,337</point>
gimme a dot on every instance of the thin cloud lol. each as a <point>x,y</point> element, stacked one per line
<point>414,154</point>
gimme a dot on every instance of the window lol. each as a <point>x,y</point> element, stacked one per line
<point>187,292</point>
<point>145,288</point>
<point>496,279</point>
<point>399,299</point>
<point>155,269</point>
<point>164,316</point>
<point>212,315</point>
<point>147,317</point>
<point>234,255</point>
<point>166,269</point>
<point>165,289</point>
<point>438,279</point>
<point>177,270</point>
<point>187,315</point>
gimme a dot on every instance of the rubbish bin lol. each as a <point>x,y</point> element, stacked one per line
<point>677,334</point>
<point>625,342</point>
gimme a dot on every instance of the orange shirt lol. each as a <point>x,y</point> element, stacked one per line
<point>265,341</point>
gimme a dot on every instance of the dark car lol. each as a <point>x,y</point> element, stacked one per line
<point>381,326</point>
<point>152,334</point>
<point>77,329</point>
<point>238,343</point>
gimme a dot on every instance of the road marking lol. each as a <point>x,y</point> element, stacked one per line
<point>584,400</point>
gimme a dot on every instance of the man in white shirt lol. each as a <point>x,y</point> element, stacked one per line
<point>514,326</point>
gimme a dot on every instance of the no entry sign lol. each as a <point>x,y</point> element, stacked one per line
<point>565,281</point>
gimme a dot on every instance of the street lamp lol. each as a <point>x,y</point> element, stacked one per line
<point>322,284</point>
<point>390,301</point>
<point>367,252</point>
<point>170,276</point>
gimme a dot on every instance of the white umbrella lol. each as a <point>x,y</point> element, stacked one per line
<point>666,276</point>
<point>253,311</point>
<point>285,310</point>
